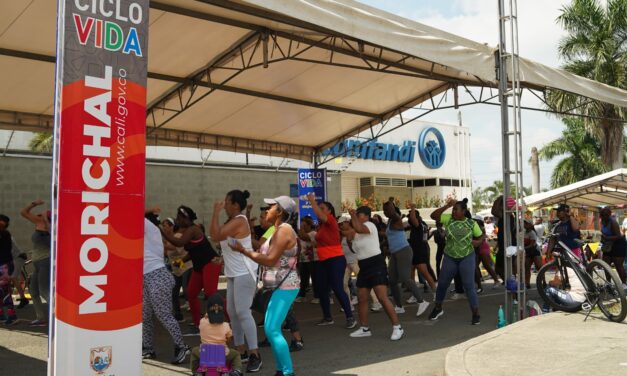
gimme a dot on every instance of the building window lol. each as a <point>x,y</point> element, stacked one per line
<point>445,182</point>
<point>365,182</point>
<point>430,182</point>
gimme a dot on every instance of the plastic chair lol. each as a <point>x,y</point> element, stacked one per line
<point>212,360</point>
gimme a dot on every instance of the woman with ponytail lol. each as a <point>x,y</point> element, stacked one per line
<point>462,235</point>
<point>240,273</point>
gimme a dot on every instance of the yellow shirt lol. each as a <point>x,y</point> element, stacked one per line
<point>217,334</point>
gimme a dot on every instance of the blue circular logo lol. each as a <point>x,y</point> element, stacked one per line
<point>432,150</point>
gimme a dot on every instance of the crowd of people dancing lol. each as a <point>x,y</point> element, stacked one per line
<point>278,259</point>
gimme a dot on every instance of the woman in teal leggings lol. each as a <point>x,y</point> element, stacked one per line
<point>279,256</point>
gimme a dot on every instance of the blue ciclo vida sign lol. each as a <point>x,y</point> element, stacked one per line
<point>431,148</point>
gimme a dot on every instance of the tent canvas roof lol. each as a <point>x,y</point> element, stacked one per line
<point>284,78</point>
<point>602,190</point>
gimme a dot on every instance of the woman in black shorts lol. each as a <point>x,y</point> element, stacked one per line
<point>372,271</point>
<point>418,240</point>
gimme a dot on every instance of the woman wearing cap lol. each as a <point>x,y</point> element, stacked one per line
<point>332,264</point>
<point>158,283</point>
<point>279,256</point>
<point>614,244</point>
<point>400,259</point>
<point>180,270</point>
<point>240,272</point>
<point>462,235</point>
<point>39,286</point>
<point>205,261</point>
<point>372,275</point>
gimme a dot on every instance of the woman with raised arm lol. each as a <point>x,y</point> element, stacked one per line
<point>240,273</point>
<point>372,275</point>
<point>39,286</point>
<point>279,257</point>
<point>462,236</point>
<point>332,262</point>
<point>206,263</point>
<point>400,259</point>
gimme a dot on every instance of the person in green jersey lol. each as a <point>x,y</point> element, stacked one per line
<point>462,235</point>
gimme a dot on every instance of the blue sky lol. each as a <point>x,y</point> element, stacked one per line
<point>477,20</point>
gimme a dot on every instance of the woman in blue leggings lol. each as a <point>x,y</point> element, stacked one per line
<point>278,255</point>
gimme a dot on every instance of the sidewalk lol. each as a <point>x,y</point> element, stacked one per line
<point>552,344</point>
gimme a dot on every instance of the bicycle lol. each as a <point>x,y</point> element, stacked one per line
<point>602,285</point>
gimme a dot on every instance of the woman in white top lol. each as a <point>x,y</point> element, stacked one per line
<point>372,271</point>
<point>240,272</point>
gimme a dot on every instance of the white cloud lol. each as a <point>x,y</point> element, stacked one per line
<point>538,36</point>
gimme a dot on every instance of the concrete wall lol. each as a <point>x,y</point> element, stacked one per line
<point>24,179</point>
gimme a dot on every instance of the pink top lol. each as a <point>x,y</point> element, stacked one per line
<point>272,276</point>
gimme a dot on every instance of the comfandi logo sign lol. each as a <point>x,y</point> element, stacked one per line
<point>431,148</point>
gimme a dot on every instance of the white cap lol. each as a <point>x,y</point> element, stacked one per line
<point>343,219</point>
<point>284,202</point>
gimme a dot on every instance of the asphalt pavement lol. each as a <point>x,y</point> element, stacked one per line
<point>328,350</point>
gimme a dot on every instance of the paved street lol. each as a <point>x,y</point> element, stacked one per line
<point>328,350</point>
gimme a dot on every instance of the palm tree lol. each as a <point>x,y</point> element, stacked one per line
<point>596,48</point>
<point>41,143</point>
<point>582,150</point>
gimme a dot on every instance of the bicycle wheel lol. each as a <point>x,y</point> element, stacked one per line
<point>611,297</point>
<point>547,273</point>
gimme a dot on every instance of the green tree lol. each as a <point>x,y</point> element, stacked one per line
<point>582,152</point>
<point>41,143</point>
<point>595,48</point>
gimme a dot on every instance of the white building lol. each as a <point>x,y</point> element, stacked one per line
<point>405,173</point>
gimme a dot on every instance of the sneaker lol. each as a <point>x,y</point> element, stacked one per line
<point>479,290</point>
<point>180,353</point>
<point>351,323</point>
<point>476,320</point>
<point>457,296</point>
<point>12,319</point>
<point>300,299</point>
<point>315,301</point>
<point>398,309</point>
<point>435,313</point>
<point>376,307</point>
<point>23,303</point>
<point>148,354</point>
<point>254,363</point>
<point>297,345</point>
<point>264,343</point>
<point>361,332</point>
<point>354,300</point>
<point>38,323</point>
<point>325,322</point>
<point>411,300</point>
<point>422,307</point>
<point>235,372</point>
<point>397,333</point>
<point>244,357</point>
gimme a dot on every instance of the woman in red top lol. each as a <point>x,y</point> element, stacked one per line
<point>332,262</point>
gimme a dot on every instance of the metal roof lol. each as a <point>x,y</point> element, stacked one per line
<point>281,78</point>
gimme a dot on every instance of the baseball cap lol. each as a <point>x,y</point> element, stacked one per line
<point>562,207</point>
<point>284,202</point>
<point>343,219</point>
<point>215,309</point>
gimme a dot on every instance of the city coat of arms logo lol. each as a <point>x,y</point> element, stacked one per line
<point>100,358</point>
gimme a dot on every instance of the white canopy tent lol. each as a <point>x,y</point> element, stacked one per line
<point>609,189</point>
<point>272,77</point>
